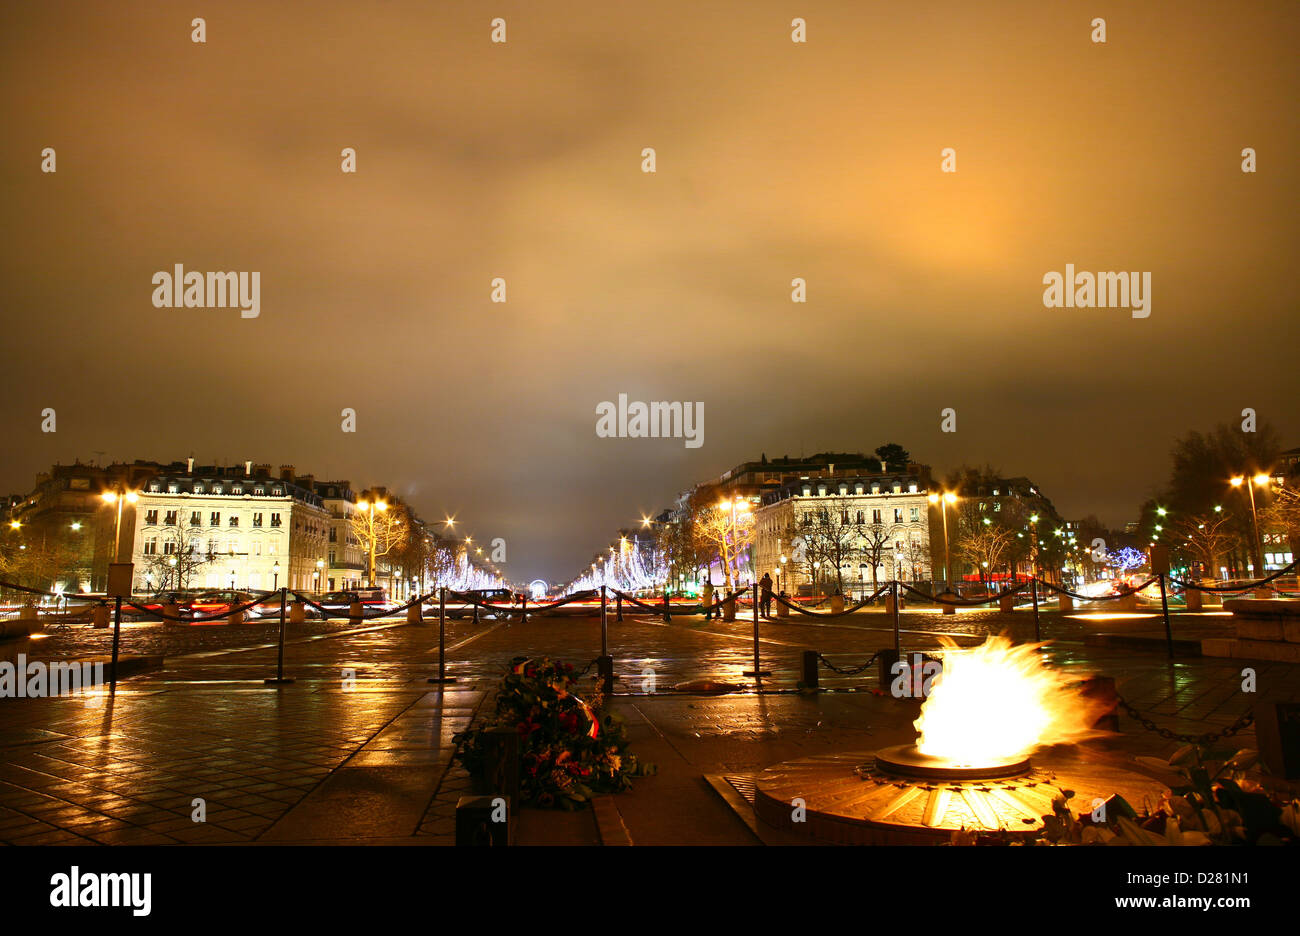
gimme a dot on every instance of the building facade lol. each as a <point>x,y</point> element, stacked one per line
<point>229,527</point>
<point>846,532</point>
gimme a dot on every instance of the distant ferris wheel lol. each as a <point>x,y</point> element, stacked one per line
<point>538,588</point>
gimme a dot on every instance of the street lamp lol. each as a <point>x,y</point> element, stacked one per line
<point>948,497</point>
<point>315,576</point>
<point>1260,480</point>
<point>275,576</point>
<point>781,576</point>
<point>119,496</point>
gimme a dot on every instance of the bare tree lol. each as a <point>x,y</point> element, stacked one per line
<point>181,558</point>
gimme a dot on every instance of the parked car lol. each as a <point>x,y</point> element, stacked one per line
<point>215,602</point>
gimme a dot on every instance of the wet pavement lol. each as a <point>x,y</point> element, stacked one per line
<point>358,748</point>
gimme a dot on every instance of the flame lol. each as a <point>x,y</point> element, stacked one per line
<point>997,702</point>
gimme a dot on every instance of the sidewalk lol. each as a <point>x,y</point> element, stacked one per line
<point>358,749</point>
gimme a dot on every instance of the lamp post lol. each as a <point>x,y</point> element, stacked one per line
<point>118,496</point>
<point>781,575</point>
<point>275,576</point>
<point>943,500</point>
<point>1260,480</point>
<point>315,576</point>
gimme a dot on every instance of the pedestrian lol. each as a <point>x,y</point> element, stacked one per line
<point>708,600</point>
<point>765,593</point>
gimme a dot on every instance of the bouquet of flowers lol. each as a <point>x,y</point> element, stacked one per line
<point>568,748</point>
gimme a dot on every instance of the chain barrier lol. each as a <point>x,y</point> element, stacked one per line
<point>1228,589</point>
<point>1208,737</point>
<point>852,609</point>
<point>848,672</point>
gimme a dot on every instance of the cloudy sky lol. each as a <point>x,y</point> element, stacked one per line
<point>523,160</point>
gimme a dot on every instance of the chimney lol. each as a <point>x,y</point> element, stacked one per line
<point>189,465</point>
<point>286,472</point>
<point>248,468</point>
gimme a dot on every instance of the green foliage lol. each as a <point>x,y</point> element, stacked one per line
<point>569,749</point>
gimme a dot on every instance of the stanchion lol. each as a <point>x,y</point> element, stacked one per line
<point>757,672</point>
<point>1037,632</point>
<point>605,662</point>
<point>604,623</point>
<point>667,614</point>
<point>898,641</point>
<point>1164,607</point>
<point>117,636</point>
<point>524,606</point>
<point>618,606</point>
<point>442,676</point>
<point>280,679</point>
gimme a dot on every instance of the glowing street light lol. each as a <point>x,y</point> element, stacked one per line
<point>943,500</point>
<point>1260,480</point>
<point>370,508</point>
<point>119,496</point>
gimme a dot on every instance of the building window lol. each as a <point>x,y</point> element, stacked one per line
<point>898,514</point>
<point>196,518</point>
<point>257,519</point>
<point>875,516</point>
<point>898,488</point>
<point>198,489</point>
<point>151,517</point>
<point>916,514</point>
<point>857,489</point>
<point>214,519</point>
<point>861,517</point>
<point>171,518</point>
<point>911,489</point>
<point>234,520</point>
<point>216,489</point>
<point>151,546</point>
<point>875,489</point>
<point>236,490</point>
<point>169,548</point>
<point>259,490</point>
<point>275,519</point>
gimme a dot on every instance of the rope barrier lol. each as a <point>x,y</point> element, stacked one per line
<point>1226,589</point>
<point>1125,593</point>
<point>960,602</point>
<point>200,619</point>
<point>829,614</point>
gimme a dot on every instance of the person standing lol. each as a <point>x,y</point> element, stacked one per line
<point>765,595</point>
<point>708,600</point>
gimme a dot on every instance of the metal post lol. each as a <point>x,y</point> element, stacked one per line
<point>898,643</point>
<point>757,672</point>
<point>667,614</point>
<point>1037,633</point>
<point>604,623</point>
<point>442,676</point>
<point>117,636</point>
<point>279,663</point>
<point>618,606</point>
<point>1164,607</point>
<point>810,663</point>
<point>525,610</point>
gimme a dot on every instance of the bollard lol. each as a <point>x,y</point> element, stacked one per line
<point>729,609</point>
<point>1164,608</point>
<point>605,672</point>
<point>1064,602</point>
<point>949,594</point>
<point>1129,603</point>
<point>501,762</point>
<point>1101,689</point>
<point>837,604</point>
<point>809,679</point>
<point>668,616</point>
<point>171,612</point>
<point>298,612</point>
<point>355,612</point>
<point>523,607</point>
<point>280,679</point>
<point>618,606</point>
<point>442,676</point>
<point>476,823</point>
<point>782,609</point>
<point>757,672</point>
<point>1277,732</point>
<point>99,616</point>
<point>1006,603</point>
<point>1193,597</point>
<point>886,659</point>
<point>415,614</point>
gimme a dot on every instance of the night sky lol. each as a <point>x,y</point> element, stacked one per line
<point>775,160</point>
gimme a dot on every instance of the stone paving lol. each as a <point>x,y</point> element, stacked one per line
<point>358,748</point>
